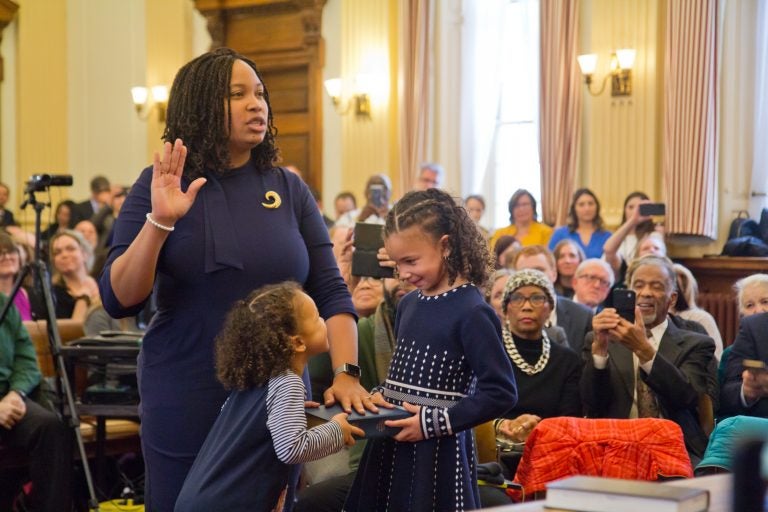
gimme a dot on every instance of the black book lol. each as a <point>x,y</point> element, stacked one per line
<point>371,423</point>
<point>595,494</point>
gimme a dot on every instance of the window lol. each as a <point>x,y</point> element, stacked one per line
<point>502,38</point>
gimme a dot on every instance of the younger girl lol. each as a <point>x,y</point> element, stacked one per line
<point>244,464</point>
<point>449,367</point>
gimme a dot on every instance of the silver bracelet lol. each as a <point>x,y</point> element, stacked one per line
<point>158,225</point>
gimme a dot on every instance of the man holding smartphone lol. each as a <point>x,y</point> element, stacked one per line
<point>649,367</point>
<point>745,389</point>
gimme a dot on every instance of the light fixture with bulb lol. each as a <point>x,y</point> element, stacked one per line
<point>359,101</point>
<point>141,97</point>
<point>621,64</point>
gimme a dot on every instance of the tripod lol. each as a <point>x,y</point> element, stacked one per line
<point>42,284</point>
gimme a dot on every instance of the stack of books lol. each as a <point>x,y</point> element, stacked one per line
<point>595,494</point>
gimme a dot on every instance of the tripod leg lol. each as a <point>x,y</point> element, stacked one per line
<point>64,389</point>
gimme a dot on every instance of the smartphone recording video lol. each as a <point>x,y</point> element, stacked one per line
<point>755,366</point>
<point>649,209</point>
<point>378,195</point>
<point>368,240</point>
<point>624,303</point>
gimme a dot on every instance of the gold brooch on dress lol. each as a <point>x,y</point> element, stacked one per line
<point>273,199</point>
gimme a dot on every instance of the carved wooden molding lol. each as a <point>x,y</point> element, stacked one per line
<point>218,12</point>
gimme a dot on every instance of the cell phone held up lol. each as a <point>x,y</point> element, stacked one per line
<point>652,209</point>
<point>377,196</point>
<point>365,262</point>
<point>754,366</point>
<point>624,303</point>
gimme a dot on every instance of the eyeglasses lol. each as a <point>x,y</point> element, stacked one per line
<point>537,300</point>
<point>592,278</point>
<point>7,254</point>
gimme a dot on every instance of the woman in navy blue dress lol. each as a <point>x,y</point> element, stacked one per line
<point>206,224</point>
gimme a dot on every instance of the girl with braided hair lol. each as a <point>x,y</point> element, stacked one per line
<point>245,462</point>
<point>449,368</point>
<point>207,223</point>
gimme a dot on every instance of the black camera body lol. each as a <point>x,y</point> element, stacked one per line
<point>40,182</point>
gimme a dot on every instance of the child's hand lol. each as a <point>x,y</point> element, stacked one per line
<point>411,427</point>
<point>311,404</point>
<point>347,429</point>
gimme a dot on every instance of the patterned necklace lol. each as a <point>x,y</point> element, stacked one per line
<point>509,344</point>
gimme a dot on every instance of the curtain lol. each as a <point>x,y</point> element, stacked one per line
<point>560,105</point>
<point>415,72</point>
<point>690,118</point>
<point>760,163</point>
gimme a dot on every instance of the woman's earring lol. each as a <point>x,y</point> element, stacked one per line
<point>395,273</point>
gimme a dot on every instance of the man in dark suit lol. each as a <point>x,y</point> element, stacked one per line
<point>574,319</point>
<point>745,391</point>
<point>649,367</point>
<point>101,196</point>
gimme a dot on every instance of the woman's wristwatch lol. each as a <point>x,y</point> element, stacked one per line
<point>348,368</point>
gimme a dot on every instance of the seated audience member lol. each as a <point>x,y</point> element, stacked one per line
<point>649,368</point>
<point>524,226</point>
<point>621,246</point>
<point>88,230</point>
<point>568,254</point>
<point>344,202</point>
<point>745,390</point>
<point>11,261</point>
<point>98,320</point>
<point>376,343</point>
<point>494,290</point>
<point>367,295</point>
<point>101,196</point>
<point>651,244</point>
<point>575,319</point>
<point>6,215</point>
<point>547,374</point>
<point>63,220</point>
<point>73,288</point>
<point>685,306</point>
<point>592,283</point>
<point>105,218</point>
<point>585,225</point>
<point>752,292</point>
<point>475,206</point>
<point>28,425</point>
<point>378,191</point>
<point>430,176</point>
<point>505,248</point>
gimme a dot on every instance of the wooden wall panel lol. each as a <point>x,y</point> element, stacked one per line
<point>283,38</point>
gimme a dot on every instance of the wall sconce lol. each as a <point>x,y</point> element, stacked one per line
<point>620,73</point>
<point>159,99</point>
<point>360,101</point>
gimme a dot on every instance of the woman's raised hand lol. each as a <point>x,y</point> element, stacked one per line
<point>169,203</point>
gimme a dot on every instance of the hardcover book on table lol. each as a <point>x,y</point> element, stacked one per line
<point>371,423</point>
<point>595,494</point>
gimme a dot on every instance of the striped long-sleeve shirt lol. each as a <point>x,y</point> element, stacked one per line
<point>287,423</point>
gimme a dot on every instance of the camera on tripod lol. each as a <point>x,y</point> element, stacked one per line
<point>40,182</point>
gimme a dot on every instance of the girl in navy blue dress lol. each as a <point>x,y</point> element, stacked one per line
<point>245,462</point>
<point>449,368</point>
<point>210,221</point>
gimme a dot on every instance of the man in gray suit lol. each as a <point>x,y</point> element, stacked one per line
<point>574,319</point>
<point>649,367</point>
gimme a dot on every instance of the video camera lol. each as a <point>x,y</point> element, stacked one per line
<point>40,182</point>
